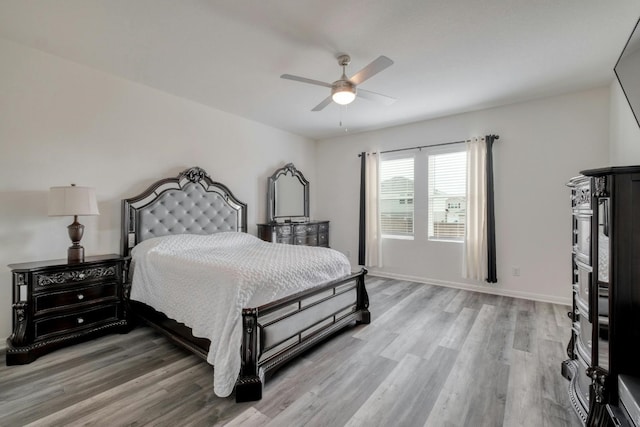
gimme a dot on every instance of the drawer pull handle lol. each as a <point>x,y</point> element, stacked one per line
<point>80,320</point>
<point>80,297</point>
<point>81,276</point>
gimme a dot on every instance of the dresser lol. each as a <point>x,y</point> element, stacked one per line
<point>56,304</point>
<point>311,233</point>
<point>604,344</point>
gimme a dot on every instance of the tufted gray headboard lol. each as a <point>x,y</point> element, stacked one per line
<point>191,203</point>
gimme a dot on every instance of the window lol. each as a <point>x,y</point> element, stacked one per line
<point>447,178</point>
<point>396,196</point>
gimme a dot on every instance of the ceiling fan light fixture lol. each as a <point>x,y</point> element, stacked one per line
<point>343,92</point>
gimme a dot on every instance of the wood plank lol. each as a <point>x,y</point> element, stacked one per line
<point>432,356</point>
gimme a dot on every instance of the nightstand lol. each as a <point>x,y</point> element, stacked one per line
<point>56,304</point>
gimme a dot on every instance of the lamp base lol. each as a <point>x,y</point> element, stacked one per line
<point>75,254</point>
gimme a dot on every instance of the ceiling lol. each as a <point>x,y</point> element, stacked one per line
<point>450,56</point>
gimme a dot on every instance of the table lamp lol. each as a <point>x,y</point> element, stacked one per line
<point>73,201</point>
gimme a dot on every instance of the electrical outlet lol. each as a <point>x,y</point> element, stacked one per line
<point>515,271</point>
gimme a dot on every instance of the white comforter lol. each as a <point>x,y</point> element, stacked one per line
<point>205,281</point>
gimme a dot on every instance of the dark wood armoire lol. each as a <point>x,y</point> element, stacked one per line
<point>604,349</point>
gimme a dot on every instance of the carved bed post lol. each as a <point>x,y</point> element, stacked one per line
<point>363,300</point>
<point>249,384</point>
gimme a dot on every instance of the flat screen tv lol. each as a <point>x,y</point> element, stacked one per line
<point>627,70</point>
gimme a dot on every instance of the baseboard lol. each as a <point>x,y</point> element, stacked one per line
<point>475,288</point>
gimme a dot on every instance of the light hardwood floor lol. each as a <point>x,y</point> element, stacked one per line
<point>432,356</point>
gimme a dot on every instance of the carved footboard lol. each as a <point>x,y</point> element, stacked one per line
<point>279,331</point>
<point>276,332</point>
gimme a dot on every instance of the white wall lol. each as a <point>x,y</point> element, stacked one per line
<point>542,144</point>
<point>624,132</point>
<point>63,123</point>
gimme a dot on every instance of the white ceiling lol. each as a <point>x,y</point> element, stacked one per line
<point>450,56</point>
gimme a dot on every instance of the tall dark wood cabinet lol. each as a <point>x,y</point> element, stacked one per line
<point>605,340</point>
<point>56,303</point>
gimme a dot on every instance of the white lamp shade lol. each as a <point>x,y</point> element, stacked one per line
<point>72,200</point>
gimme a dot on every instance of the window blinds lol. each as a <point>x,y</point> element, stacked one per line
<point>447,177</point>
<point>396,196</point>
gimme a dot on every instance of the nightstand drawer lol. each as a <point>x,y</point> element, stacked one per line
<point>76,276</point>
<point>47,302</point>
<point>323,239</point>
<point>83,319</point>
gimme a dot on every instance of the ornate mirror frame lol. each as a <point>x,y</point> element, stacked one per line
<point>289,168</point>
<point>627,71</point>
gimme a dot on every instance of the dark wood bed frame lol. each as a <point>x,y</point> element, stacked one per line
<point>273,333</point>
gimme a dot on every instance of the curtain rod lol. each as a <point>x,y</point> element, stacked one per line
<point>427,146</point>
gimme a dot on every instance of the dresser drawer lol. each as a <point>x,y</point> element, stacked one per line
<point>283,231</point>
<point>43,281</point>
<point>80,320</point>
<point>288,240</point>
<point>583,330</point>
<point>67,299</point>
<point>323,227</point>
<point>586,334</point>
<point>312,240</point>
<point>312,229</point>
<point>583,382</point>
<point>300,229</point>
<point>582,285</point>
<point>582,238</point>
<point>323,239</point>
<point>300,240</point>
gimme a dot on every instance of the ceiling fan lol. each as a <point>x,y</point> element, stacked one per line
<point>343,90</point>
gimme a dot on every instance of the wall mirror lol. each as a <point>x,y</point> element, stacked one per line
<point>288,195</point>
<point>628,71</point>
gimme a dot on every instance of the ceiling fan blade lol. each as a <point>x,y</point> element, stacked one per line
<point>305,80</point>
<point>323,104</point>
<point>371,70</point>
<point>377,97</point>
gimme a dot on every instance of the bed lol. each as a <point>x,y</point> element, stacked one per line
<point>192,209</point>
